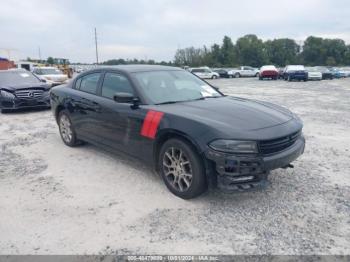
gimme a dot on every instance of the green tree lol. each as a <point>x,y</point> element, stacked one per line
<point>50,60</point>
<point>251,51</point>
<point>282,51</point>
<point>228,53</point>
<point>330,61</point>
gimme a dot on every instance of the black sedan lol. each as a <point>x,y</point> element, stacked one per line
<point>326,73</point>
<point>224,73</point>
<point>189,132</point>
<point>21,89</point>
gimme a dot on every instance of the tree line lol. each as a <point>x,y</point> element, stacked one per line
<point>252,51</point>
<point>134,61</point>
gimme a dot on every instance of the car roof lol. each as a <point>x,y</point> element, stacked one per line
<point>14,70</point>
<point>140,68</point>
<point>45,67</point>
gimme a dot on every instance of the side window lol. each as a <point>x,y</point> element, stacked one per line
<point>77,83</point>
<point>89,83</point>
<point>114,83</point>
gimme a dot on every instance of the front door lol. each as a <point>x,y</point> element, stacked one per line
<point>119,123</point>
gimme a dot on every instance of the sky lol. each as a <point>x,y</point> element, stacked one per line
<point>155,29</point>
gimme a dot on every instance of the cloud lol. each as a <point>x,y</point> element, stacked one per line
<point>155,29</point>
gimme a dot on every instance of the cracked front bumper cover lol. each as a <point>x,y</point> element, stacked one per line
<point>18,103</point>
<point>244,172</point>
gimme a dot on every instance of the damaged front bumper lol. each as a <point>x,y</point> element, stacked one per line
<point>18,103</point>
<point>244,172</point>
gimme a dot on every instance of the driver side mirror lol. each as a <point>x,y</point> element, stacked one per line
<point>122,97</point>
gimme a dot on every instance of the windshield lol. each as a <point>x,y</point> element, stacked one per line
<point>268,67</point>
<point>173,86</point>
<point>49,71</point>
<point>296,68</point>
<point>17,78</point>
<point>313,69</point>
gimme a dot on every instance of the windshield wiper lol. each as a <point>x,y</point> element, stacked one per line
<point>167,102</point>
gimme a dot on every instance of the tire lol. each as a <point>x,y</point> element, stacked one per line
<point>237,75</point>
<point>176,158</point>
<point>66,129</point>
<point>257,74</point>
<point>260,78</point>
<point>214,77</point>
<point>289,79</point>
<point>305,79</point>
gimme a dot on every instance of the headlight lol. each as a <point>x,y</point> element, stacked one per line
<point>7,94</point>
<point>234,146</point>
<point>48,78</point>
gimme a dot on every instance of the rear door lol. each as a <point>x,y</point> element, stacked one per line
<point>83,105</point>
<point>248,71</point>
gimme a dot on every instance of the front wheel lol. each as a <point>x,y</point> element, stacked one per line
<point>181,169</point>
<point>66,129</point>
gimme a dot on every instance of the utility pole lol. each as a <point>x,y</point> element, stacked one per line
<point>96,46</point>
<point>39,53</point>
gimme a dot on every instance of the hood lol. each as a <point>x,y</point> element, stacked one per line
<point>15,87</point>
<point>231,113</point>
<point>55,77</point>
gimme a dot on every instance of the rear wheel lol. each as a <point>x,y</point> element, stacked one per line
<point>66,128</point>
<point>237,75</point>
<point>214,77</point>
<point>182,169</point>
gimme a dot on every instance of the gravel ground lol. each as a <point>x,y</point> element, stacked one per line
<point>61,200</point>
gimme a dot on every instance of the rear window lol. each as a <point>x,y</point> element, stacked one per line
<point>269,67</point>
<point>197,70</point>
<point>296,68</point>
<point>89,83</point>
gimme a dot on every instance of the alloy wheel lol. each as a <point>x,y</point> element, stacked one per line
<point>177,169</point>
<point>66,129</point>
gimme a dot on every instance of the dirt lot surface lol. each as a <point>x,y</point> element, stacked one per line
<point>61,200</point>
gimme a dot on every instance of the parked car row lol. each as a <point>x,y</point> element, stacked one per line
<point>207,73</point>
<point>289,73</point>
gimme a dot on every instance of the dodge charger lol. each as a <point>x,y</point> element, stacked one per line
<point>189,132</point>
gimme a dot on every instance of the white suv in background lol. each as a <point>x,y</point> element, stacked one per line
<point>204,72</point>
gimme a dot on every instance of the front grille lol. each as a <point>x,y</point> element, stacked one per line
<point>267,147</point>
<point>29,94</point>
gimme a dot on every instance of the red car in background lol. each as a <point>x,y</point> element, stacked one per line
<point>268,71</point>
